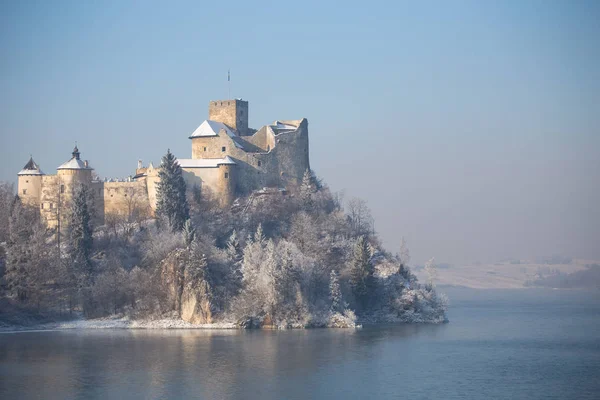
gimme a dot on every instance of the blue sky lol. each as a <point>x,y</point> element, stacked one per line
<point>471,128</point>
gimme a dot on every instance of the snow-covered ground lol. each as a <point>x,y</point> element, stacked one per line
<point>502,275</point>
<point>118,323</point>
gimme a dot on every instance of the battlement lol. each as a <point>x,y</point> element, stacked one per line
<point>233,113</point>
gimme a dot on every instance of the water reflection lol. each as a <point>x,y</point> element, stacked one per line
<point>486,351</point>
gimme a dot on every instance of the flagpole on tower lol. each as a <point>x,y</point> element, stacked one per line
<point>229,84</point>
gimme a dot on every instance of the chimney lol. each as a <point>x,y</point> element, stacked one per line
<point>139,164</point>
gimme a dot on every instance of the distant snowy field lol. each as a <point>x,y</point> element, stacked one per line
<point>502,275</point>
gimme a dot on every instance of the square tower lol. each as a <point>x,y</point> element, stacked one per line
<point>233,113</point>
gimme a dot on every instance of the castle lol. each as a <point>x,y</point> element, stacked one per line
<point>229,159</point>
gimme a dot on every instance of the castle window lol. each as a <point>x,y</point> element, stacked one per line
<point>24,191</point>
<point>62,188</point>
<point>26,181</point>
<point>259,163</point>
<point>205,149</point>
<point>42,206</point>
<point>226,175</point>
<point>223,148</point>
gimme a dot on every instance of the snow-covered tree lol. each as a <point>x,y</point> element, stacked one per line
<point>307,189</point>
<point>189,233</point>
<point>361,271</point>
<point>80,234</point>
<point>7,196</point>
<point>234,250</point>
<point>259,236</point>
<point>431,271</point>
<point>335,293</point>
<point>171,201</point>
<point>404,254</point>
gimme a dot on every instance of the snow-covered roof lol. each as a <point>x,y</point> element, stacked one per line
<point>204,162</point>
<point>211,128</point>
<point>74,163</point>
<point>280,127</point>
<point>31,168</point>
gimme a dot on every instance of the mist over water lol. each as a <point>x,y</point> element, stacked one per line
<point>501,344</point>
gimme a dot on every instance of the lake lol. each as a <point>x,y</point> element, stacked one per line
<point>499,344</point>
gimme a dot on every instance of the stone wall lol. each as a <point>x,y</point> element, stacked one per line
<point>283,164</point>
<point>126,199</point>
<point>218,182</point>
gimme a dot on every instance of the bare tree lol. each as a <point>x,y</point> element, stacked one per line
<point>359,216</point>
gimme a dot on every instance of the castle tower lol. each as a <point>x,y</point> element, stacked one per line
<point>233,113</point>
<point>30,183</point>
<point>73,172</point>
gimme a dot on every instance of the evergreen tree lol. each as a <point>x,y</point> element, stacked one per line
<point>171,203</point>
<point>80,234</point>
<point>361,271</point>
<point>189,233</point>
<point>234,250</point>
<point>197,266</point>
<point>259,236</point>
<point>18,256</point>
<point>335,293</point>
<point>307,189</point>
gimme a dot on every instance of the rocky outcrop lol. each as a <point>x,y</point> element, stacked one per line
<point>195,305</point>
<point>190,299</point>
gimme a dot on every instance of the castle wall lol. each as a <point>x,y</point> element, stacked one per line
<point>218,182</point>
<point>125,199</point>
<point>282,165</point>
<point>52,204</point>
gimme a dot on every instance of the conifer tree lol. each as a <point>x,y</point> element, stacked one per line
<point>259,236</point>
<point>189,233</point>
<point>80,234</point>
<point>361,271</point>
<point>171,203</point>
<point>335,293</point>
<point>233,247</point>
<point>307,189</point>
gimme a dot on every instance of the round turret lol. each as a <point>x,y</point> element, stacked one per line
<point>30,183</point>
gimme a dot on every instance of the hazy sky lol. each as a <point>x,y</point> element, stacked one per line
<point>471,128</point>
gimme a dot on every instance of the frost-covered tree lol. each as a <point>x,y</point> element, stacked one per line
<point>335,293</point>
<point>80,235</point>
<point>259,236</point>
<point>361,271</point>
<point>431,271</point>
<point>234,250</point>
<point>307,189</point>
<point>18,274</point>
<point>404,254</point>
<point>171,201</point>
<point>359,217</point>
<point>197,267</point>
<point>7,196</point>
<point>189,233</point>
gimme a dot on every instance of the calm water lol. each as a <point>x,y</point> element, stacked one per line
<point>498,345</point>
